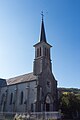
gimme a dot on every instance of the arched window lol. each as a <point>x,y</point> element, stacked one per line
<point>11,98</point>
<point>21,98</point>
<point>2,98</point>
<point>37,52</point>
<point>40,51</point>
<point>32,107</point>
<point>45,51</point>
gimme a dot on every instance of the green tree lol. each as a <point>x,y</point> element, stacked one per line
<point>70,105</point>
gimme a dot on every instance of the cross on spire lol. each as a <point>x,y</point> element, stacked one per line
<point>42,35</point>
<point>42,15</point>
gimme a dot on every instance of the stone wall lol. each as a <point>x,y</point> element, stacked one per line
<point>18,97</point>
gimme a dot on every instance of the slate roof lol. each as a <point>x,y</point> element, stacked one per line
<point>21,78</point>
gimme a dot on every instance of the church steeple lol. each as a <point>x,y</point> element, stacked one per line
<point>42,35</point>
<point>42,53</point>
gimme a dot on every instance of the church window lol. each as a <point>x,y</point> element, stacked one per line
<point>48,100</point>
<point>2,98</point>
<point>32,107</point>
<point>21,98</point>
<point>45,51</point>
<point>48,83</point>
<point>40,51</point>
<point>11,98</point>
<point>37,52</point>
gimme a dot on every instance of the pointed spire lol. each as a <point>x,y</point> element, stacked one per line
<point>42,35</point>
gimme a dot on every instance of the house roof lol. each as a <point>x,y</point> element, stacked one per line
<point>22,78</point>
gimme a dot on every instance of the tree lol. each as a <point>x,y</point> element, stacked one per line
<point>70,105</point>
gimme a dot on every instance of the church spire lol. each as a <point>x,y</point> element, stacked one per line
<point>42,53</point>
<point>42,34</point>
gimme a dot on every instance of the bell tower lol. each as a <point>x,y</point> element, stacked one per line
<point>46,84</point>
<point>42,53</point>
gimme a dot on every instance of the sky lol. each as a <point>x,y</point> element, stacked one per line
<point>20,22</point>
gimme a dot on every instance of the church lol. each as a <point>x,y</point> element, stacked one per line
<point>36,91</point>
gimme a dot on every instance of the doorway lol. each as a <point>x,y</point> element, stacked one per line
<point>48,103</point>
<point>47,107</point>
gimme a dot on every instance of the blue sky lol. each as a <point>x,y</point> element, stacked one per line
<point>20,22</point>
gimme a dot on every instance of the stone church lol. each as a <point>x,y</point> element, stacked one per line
<point>36,91</point>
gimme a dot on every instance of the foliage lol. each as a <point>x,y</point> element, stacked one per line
<point>73,90</point>
<point>70,105</point>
